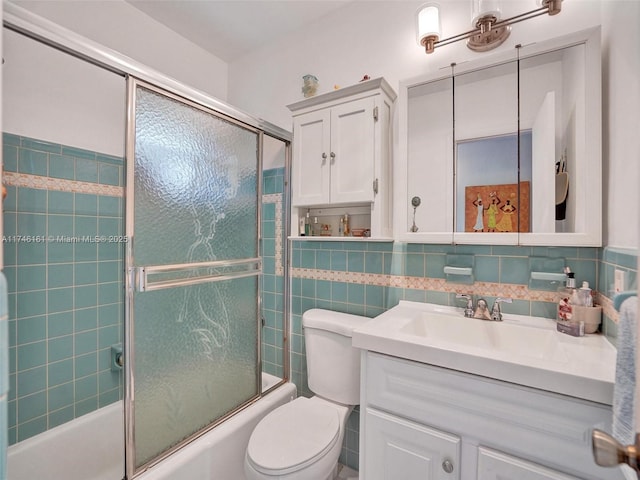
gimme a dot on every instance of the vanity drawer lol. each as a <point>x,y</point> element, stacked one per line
<point>494,465</point>
<point>546,427</point>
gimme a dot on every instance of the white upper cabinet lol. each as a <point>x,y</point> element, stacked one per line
<point>333,157</point>
<point>342,157</point>
<point>505,150</point>
<point>311,158</point>
<point>352,157</point>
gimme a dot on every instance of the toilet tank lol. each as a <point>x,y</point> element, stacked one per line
<point>333,365</point>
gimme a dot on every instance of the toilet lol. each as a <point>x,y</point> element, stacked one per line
<point>301,440</point>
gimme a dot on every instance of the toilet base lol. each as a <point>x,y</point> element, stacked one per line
<point>346,473</point>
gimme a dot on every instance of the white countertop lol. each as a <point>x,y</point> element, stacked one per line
<point>522,350</point>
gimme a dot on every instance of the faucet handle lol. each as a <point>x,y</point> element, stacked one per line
<point>496,314</point>
<point>468,311</point>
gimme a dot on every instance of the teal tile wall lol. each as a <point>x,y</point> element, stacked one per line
<point>65,292</point>
<point>4,374</point>
<point>273,279</point>
<point>508,265</point>
<point>612,259</point>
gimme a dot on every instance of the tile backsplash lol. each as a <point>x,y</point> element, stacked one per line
<point>367,278</point>
<point>63,218</point>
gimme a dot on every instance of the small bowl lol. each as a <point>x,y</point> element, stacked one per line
<point>358,232</point>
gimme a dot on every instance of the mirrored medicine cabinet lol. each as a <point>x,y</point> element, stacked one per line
<point>505,150</point>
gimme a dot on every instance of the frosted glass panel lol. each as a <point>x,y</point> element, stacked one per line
<point>195,184</point>
<point>195,200</point>
<point>195,359</point>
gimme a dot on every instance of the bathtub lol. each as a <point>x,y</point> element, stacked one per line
<point>75,451</point>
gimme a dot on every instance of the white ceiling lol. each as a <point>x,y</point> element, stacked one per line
<point>230,28</point>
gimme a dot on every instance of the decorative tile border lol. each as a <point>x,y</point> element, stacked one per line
<point>607,306</point>
<point>516,292</point>
<point>60,184</point>
<point>277,199</point>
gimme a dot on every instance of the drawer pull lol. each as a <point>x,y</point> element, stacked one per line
<point>447,466</point>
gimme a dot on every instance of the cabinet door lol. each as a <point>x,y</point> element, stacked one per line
<point>310,166</point>
<point>352,151</point>
<point>493,465</point>
<point>396,448</point>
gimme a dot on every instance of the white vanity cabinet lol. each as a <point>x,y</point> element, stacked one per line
<point>421,421</point>
<point>399,448</point>
<point>342,155</point>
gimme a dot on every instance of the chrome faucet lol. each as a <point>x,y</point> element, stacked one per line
<point>496,314</point>
<point>482,310</point>
<point>468,311</point>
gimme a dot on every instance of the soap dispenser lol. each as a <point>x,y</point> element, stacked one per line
<point>567,321</point>
<point>568,295</point>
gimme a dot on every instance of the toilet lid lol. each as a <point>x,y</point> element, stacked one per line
<point>293,436</point>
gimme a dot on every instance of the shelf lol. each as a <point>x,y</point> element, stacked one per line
<point>342,239</point>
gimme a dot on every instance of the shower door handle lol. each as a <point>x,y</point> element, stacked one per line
<point>185,274</point>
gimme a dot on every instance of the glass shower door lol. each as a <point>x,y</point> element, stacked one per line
<point>192,219</point>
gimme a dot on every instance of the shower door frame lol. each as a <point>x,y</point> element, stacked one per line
<point>20,20</point>
<point>136,281</point>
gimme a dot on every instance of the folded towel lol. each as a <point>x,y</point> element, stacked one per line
<point>625,386</point>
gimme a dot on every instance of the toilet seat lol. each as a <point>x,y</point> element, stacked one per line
<point>293,436</point>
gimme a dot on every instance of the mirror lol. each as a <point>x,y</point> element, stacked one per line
<point>430,153</point>
<point>506,150</point>
<point>486,148</point>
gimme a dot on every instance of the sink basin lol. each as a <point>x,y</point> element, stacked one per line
<point>486,335</point>
<point>521,349</point>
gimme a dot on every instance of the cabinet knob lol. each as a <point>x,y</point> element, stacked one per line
<point>333,156</point>
<point>324,157</point>
<point>447,466</point>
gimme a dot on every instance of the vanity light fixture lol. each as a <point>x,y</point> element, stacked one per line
<point>489,31</point>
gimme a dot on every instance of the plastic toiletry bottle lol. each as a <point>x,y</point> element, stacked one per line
<point>586,300</point>
<point>346,231</point>
<point>307,225</point>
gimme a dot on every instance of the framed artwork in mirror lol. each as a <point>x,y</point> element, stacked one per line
<point>495,208</point>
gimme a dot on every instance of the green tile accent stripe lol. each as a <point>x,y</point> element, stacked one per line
<point>60,184</point>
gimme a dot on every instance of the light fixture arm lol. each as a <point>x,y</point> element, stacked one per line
<point>488,26</point>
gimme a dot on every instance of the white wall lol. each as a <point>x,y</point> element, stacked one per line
<point>121,27</point>
<point>273,153</point>
<point>52,96</point>
<point>621,110</point>
<point>378,38</point>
